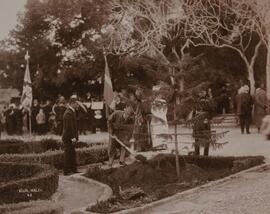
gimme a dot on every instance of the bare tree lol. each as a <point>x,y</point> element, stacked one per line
<point>262,8</point>
<point>147,27</point>
<point>233,24</point>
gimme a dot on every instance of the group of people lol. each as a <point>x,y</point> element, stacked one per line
<point>251,108</point>
<point>47,117</point>
<point>127,121</point>
<point>248,109</point>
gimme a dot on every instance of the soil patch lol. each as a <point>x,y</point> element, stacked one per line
<point>141,183</point>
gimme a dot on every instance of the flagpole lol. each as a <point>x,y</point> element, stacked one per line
<point>107,109</point>
<point>27,57</point>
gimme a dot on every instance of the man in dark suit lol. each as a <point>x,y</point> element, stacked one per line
<point>70,136</point>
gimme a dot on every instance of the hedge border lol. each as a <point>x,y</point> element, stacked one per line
<point>42,185</point>
<point>147,207</point>
<point>20,146</point>
<point>56,158</point>
<point>235,163</point>
<point>33,207</point>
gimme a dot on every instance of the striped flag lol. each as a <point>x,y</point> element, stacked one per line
<point>108,89</point>
<point>27,96</point>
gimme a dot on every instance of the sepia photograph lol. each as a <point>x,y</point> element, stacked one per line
<point>135,106</point>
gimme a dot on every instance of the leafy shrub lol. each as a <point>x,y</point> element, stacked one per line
<point>35,207</point>
<point>41,185</point>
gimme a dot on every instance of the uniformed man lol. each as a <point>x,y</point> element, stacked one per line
<point>201,123</point>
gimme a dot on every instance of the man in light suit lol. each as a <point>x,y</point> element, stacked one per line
<point>70,136</point>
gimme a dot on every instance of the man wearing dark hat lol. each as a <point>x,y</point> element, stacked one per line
<point>70,136</point>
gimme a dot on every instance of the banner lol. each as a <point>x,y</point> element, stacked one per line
<point>27,96</point>
<point>108,89</point>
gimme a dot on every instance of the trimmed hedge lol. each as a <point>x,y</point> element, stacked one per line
<point>35,207</point>
<point>56,158</point>
<point>36,182</point>
<point>18,146</point>
<point>215,162</point>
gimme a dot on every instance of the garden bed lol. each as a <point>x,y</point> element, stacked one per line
<point>141,183</point>
<point>25,182</point>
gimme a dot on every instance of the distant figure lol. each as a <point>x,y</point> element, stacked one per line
<point>10,120</point>
<point>34,111</point>
<point>119,104</point>
<point>70,136</point>
<point>47,110</point>
<point>244,108</point>
<point>41,121</point>
<point>260,106</point>
<point>59,109</point>
<point>224,101</point>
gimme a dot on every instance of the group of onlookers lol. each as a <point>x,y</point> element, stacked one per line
<point>47,117</point>
<point>251,108</point>
<point>248,108</point>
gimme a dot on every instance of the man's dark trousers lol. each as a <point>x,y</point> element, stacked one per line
<point>70,164</point>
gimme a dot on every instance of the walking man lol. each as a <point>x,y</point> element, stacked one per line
<point>244,108</point>
<point>70,136</point>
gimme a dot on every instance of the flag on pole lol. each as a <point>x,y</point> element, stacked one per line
<point>108,89</point>
<point>27,96</point>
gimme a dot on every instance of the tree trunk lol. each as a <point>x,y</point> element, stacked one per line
<point>251,80</point>
<point>268,69</point>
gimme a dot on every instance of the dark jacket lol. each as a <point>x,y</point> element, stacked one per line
<point>70,129</point>
<point>244,104</point>
<point>121,127</point>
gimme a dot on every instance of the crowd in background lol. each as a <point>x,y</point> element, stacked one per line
<point>247,108</point>
<point>47,117</point>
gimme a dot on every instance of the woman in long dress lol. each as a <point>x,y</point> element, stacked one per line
<point>260,106</point>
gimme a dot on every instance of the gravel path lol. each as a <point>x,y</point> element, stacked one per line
<point>75,195</point>
<point>248,194</point>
